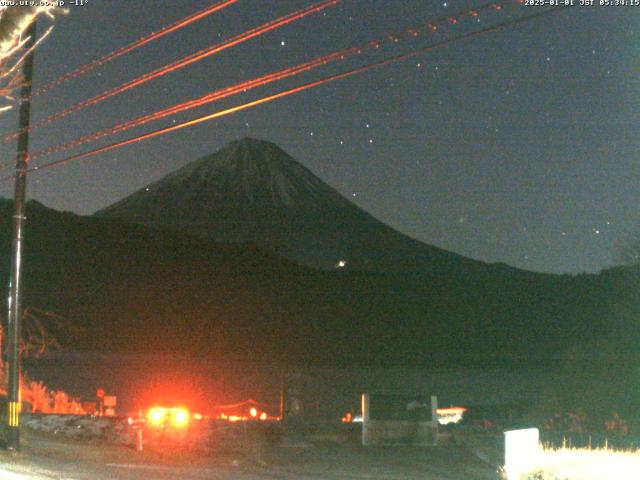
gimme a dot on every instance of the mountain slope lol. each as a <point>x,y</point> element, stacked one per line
<point>253,192</point>
<point>135,288</point>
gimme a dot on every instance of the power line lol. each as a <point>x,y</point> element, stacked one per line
<point>432,25</point>
<point>207,52</point>
<point>294,90</point>
<point>133,46</point>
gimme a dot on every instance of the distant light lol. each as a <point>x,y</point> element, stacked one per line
<point>197,416</point>
<point>263,416</point>
<point>161,416</point>
<point>282,43</point>
<point>450,415</point>
<point>253,412</point>
<point>341,264</point>
<point>156,416</point>
<point>180,417</point>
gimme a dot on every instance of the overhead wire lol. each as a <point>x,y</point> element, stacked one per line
<point>242,87</point>
<point>291,91</point>
<point>88,67</point>
<point>185,61</point>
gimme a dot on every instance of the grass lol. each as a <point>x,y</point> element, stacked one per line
<point>584,464</point>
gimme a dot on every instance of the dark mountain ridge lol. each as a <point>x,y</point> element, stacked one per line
<point>136,288</point>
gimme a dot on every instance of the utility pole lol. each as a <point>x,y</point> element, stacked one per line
<point>15,284</point>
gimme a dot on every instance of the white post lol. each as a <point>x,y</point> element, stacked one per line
<point>434,408</point>
<point>366,419</point>
<point>521,450</point>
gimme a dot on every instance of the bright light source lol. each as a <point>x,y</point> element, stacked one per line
<point>450,415</point>
<point>341,264</point>
<point>162,416</point>
<point>263,416</point>
<point>197,416</point>
<point>156,416</point>
<point>587,464</point>
<point>180,417</point>
<point>521,451</point>
<point>253,412</point>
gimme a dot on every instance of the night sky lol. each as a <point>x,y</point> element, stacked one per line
<point>518,146</point>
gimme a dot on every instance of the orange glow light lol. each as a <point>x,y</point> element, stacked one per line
<point>161,417</point>
<point>263,416</point>
<point>156,416</point>
<point>180,417</point>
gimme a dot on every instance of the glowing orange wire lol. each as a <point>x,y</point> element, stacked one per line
<point>247,85</point>
<point>208,98</point>
<point>291,91</point>
<point>207,52</point>
<point>134,45</point>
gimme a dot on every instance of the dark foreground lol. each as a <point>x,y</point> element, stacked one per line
<point>47,457</point>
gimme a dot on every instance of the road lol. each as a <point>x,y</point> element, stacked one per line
<point>46,457</point>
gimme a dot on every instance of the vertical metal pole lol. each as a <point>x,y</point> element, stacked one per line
<point>281,395</point>
<point>15,284</point>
